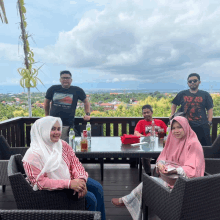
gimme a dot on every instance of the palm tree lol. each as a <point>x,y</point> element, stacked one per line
<point>3,13</point>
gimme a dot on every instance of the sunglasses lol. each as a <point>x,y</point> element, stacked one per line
<point>67,78</point>
<point>194,80</point>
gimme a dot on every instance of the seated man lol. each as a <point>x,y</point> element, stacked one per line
<point>143,127</point>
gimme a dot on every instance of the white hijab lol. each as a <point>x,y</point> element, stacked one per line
<point>45,154</point>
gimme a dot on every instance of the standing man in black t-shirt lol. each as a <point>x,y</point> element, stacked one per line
<point>61,101</point>
<point>195,103</point>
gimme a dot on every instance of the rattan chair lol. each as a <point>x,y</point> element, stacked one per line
<point>212,165</point>
<point>26,198</point>
<point>48,215</point>
<point>196,198</point>
<point>5,152</point>
<point>212,151</point>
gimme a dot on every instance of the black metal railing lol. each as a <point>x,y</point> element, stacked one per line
<point>17,130</point>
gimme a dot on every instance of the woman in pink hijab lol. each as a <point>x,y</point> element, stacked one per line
<point>182,155</point>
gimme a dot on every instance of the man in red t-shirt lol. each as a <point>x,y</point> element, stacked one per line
<point>143,127</point>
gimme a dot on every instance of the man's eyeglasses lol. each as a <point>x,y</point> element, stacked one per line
<point>67,78</point>
<point>194,80</point>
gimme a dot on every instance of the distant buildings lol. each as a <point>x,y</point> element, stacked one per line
<point>18,100</point>
<point>115,93</point>
<point>39,105</point>
<point>107,106</point>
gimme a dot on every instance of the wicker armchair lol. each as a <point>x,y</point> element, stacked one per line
<point>48,215</point>
<point>26,198</point>
<point>212,165</point>
<point>214,150</point>
<point>196,198</point>
<point>5,152</point>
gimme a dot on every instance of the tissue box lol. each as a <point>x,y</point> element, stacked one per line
<point>130,139</point>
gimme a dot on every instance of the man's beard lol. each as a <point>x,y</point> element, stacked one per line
<point>194,88</point>
<point>147,118</point>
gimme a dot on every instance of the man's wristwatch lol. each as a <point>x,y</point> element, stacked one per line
<point>87,113</point>
<point>210,123</point>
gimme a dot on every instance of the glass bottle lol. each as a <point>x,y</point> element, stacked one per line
<point>72,138</point>
<point>153,134</point>
<point>84,143</point>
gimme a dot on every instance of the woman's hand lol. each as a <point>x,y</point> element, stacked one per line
<point>171,171</point>
<point>83,193</point>
<point>161,167</point>
<point>78,185</point>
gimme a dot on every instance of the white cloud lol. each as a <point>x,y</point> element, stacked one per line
<point>11,52</point>
<point>10,81</point>
<point>132,38</point>
<point>125,79</point>
<point>115,80</point>
<point>140,40</point>
<point>73,2</point>
<point>215,63</point>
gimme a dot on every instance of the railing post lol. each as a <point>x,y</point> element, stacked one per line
<point>22,134</point>
<point>124,127</point>
<point>132,124</point>
<point>214,131</point>
<point>18,136</point>
<point>28,135</point>
<point>115,129</point>
<point>107,129</point>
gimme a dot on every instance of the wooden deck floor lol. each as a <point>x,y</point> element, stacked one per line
<point>119,180</point>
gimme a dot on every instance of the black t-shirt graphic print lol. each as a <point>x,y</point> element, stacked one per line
<point>64,102</point>
<point>195,105</point>
<point>62,99</point>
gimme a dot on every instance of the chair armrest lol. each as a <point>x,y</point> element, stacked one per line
<point>49,214</point>
<point>207,174</point>
<point>153,189</point>
<point>212,165</point>
<point>43,199</point>
<point>162,200</point>
<point>3,172</point>
<point>18,150</point>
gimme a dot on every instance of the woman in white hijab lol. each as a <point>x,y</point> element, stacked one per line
<point>50,164</point>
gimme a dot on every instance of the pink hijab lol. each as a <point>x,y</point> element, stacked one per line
<point>187,151</point>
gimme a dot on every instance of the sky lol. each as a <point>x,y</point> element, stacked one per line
<point>118,44</point>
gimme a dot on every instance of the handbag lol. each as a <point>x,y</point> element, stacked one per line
<point>130,139</point>
<point>169,178</point>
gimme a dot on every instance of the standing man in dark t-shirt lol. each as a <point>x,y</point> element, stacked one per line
<point>195,103</point>
<point>61,101</point>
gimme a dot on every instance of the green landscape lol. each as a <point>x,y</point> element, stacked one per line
<point>130,104</point>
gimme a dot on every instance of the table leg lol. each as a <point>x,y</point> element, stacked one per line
<point>102,168</point>
<point>147,165</point>
<point>145,212</point>
<point>140,169</point>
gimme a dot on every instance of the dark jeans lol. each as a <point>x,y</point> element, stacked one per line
<point>95,197</point>
<point>203,134</point>
<point>77,130</point>
<point>65,132</point>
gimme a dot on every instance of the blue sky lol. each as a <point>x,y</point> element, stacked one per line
<point>116,43</point>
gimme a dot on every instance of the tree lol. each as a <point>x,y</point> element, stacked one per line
<point>29,75</point>
<point>3,13</point>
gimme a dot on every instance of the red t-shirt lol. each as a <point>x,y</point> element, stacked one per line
<point>142,124</point>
